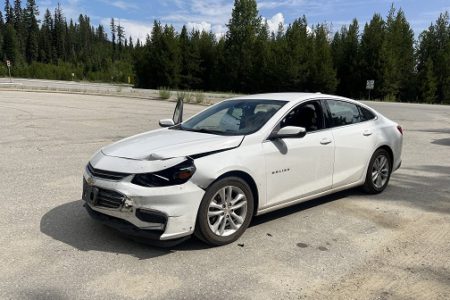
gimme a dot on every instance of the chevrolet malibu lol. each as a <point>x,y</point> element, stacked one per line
<point>242,157</point>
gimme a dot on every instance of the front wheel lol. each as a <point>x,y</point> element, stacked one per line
<point>379,172</point>
<point>225,211</point>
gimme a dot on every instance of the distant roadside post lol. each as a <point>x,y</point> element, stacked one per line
<point>8,64</point>
<point>370,85</point>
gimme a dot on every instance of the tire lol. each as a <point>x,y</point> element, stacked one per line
<point>222,221</point>
<point>378,172</point>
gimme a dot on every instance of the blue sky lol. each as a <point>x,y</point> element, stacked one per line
<point>137,15</point>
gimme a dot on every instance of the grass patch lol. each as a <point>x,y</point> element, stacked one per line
<point>164,93</point>
<point>199,97</point>
<point>185,96</point>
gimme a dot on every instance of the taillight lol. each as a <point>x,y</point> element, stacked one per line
<point>400,129</point>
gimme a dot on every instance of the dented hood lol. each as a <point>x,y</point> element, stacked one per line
<point>169,143</point>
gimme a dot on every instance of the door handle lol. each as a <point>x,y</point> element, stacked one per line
<point>325,141</point>
<point>367,133</point>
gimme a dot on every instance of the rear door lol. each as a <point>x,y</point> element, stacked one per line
<point>298,167</point>
<point>354,141</point>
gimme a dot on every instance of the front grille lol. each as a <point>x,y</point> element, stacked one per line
<point>106,174</point>
<point>109,199</point>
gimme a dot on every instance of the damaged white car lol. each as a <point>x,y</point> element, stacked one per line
<point>242,157</point>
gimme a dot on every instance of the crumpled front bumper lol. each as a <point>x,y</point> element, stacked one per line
<point>163,213</point>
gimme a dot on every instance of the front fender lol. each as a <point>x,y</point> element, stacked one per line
<point>248,159</point>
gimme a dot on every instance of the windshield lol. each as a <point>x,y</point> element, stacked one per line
<point>233,117</point>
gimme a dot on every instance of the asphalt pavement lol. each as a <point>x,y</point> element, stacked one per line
<point>349,245</point>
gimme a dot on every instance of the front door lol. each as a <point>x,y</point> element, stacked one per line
<point>298,167</point>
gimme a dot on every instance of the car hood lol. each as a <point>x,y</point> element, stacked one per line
<point>169,143</point>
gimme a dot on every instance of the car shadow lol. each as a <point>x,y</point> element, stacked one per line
<point>70,223</point>
<point>424,187</point>
<point>284,212</point>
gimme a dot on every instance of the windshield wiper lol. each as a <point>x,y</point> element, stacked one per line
<point>204,130</point>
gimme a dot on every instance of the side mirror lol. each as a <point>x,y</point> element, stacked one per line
<point>166,123</point>
<point>288,132</point>
<point>178,113</point>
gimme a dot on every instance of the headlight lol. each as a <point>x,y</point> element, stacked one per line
<point>175,175</point>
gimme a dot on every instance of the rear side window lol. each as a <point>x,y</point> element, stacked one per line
<point>344,113</point>
<point>366,114</point>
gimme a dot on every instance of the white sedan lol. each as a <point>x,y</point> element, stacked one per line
<point>242,157</point>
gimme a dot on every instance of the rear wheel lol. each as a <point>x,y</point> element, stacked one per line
<point>379,172</point>
<point>225,212</point>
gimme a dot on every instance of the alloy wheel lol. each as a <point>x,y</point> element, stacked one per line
<point>227,211</point>
<point>380,171</point>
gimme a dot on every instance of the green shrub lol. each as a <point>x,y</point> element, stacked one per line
<point>189,97</point>
<point>199,97</point>
<point>185,96</point>
<point>181,95</point>
<point>164,93</point>
<point>390,98</point>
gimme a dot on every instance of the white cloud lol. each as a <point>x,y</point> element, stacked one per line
<point>276,4</point>
<point>135,29</point>
<point>123,5</point>
<point>207,15</point>
<point>202,26</point>
<point>275,22</point>
<point>219,31</point>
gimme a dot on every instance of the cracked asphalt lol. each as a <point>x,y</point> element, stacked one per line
<point>345,246</point>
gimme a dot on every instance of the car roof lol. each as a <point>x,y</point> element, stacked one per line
<point>295,97</point>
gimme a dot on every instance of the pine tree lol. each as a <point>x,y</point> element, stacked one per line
<point>190,60</point>
<point>10,44</point>
<point>293,57</point>
<point>346,59</point>
<point>59,33</point>
<point>323,74</point>
<point>208,52</point>
<point>19,26</point>
<point>371,53</point>
<point>2,22</point>
<point>429,84</point>
<point>158,63</point>
<point>18,15</point>
<point>120,39</point>
<point>434,57</point>
<point>9,13</point>
<point>113,29</point>
<point>32,30</point>
<point>261,56</point>
<point>46,53</point>
<point>130,42</point>
<point>398,53</point>
<point>2,28</point>
<point>239,44</point>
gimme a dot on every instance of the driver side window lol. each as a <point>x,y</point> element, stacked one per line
<point>308,115</point>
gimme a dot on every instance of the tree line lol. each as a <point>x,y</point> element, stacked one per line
<point>57,48</point>
<point>300,57</point>
<point>249,58</point>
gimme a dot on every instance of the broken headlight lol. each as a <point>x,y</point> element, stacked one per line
<point>175,175</point>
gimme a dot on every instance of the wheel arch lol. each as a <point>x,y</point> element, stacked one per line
<point>249,180</point>
<point>389,151</point>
